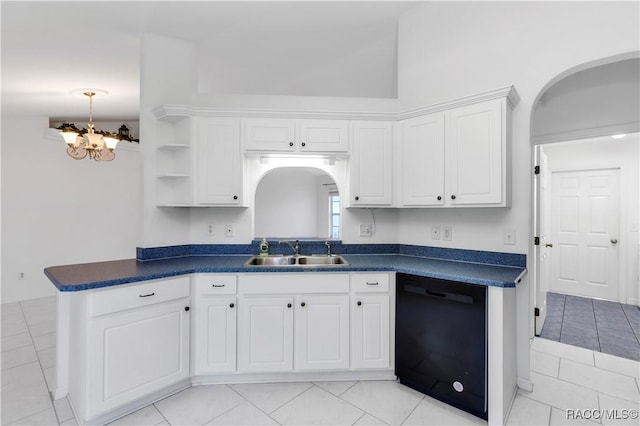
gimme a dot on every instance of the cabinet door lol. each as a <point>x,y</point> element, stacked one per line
<point>269,134</point>
<point>476,154</point>
<point>322,332</point>
<point>423,161</point>
<point>371,164</point>
<point>219,163</point>
<point>133,353</point>
<point>323,136</point>
<point>215,335</point>
<point>265,334</point>
<point>370,331</point>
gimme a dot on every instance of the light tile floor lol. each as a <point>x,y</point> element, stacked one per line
<point>564,377</point>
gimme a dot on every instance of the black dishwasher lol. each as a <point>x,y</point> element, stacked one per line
<point>441,340</point>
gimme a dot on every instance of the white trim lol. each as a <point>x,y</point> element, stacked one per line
<point>174,113</point>
<point>572,135</point>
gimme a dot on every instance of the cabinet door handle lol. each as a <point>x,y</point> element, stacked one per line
<point>303,144</point>
<point>359,303</point>
<point>186,308</point>
<point>235,197</point>
<point>357,198</point>
<point>288,305</point>
<point>439,197</point>
<point>375,283</point>
<point>147,295</point>
<point>290,143</point>
<point>453,197</point>
<point>231,305</point>
<point>303,304</point>
<point>217,285</point>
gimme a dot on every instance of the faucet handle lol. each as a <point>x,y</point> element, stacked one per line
<point>328,244</point>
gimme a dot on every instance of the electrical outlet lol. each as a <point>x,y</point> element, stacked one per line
<point>211,229</point>
<point>435,232</point>
<point>228,230</point>
<point>509,236</point>
<point>21,275</point>
<point>447,233</point>
<point>366,230</point>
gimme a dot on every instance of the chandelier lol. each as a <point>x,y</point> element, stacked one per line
<point>97,146</point>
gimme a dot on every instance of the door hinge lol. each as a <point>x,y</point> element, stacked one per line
<point>536,170</point>
<point>536,241</point>
<point>536,312</point>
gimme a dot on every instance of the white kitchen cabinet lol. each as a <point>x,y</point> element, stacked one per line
<point>265,334</point>
<point>477,154</point>
<point>371,321</point>
<point>136,343</point>
<point>458,157</point>
<point>423,160</point>
<point>370,331</point>
<point>321,332</point>
<point>371,164</point>
<point>290,135</point>
<point>214,325</point>
<point>219,162</point>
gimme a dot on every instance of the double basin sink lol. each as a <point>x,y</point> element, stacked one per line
<point>301,260</point>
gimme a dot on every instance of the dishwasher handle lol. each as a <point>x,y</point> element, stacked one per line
<point>453,297</point>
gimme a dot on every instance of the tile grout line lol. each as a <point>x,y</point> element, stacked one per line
<point>250,402</point>
<point>633,331</point>
<point>595,321</point>
<point>412,411</point>
<point>225,411</point>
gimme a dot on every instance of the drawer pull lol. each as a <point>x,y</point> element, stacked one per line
<point>147,295</point>
<point>359,303</point>
<point>373,283</point>
<point>217,285</point>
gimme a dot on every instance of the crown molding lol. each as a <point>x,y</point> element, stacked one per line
<point>175,113</point>
<point>593,132</point>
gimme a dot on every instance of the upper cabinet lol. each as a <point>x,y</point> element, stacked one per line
<point>288,135</point>
<point>219,162</point>
<point>370,167</point>
<point>458,158</point>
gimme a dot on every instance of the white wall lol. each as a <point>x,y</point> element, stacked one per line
<point>57,211</point>
<point>609,153</point>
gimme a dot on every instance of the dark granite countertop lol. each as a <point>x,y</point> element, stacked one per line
<point>103,274</point>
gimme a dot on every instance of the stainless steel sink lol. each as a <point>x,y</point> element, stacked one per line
<point>296,261</point>
<point>271,261</point>
<point>322,260</point>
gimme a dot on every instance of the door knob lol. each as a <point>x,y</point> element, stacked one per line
<point>614,241</point>
<point>548,245</point>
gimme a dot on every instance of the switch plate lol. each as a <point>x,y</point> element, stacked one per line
<point>211,229</point>
<point>228,230</point>
<point>509,236</point>
<point>447,233</point>
<point>435,232</point>
<point>366,230</point>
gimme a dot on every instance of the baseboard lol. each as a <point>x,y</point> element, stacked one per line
<point>234,378</point>
<point>633,301</point>
<point>525,384</point>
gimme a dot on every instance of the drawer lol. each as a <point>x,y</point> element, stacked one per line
<point>134,296</point>
<point>370,283</point>
<point>293,283</point>
<point>212,284</point>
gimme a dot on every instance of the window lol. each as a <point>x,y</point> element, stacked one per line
<point>334,215</point>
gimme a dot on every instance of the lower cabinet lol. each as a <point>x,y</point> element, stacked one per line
<point>134,341</point>
<point>371,331</point>
<point>265,333</point>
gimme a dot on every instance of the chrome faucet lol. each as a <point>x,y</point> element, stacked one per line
<point>328,244</point>
<point>295,247</point>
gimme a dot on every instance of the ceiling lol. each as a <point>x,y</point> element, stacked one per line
<point>50,48</point>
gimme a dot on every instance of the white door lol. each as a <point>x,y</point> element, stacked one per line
<point>423,161</point>
<point>219,176</point>
<point>135,353</point>
<point>585,210</point>
<point>370,331</point>
<point>269,134</point>
<point>371,163</point>
<point>265,334</point>
<point>544,232</point>
<point>323,136</point>
<point>475,154</point>
<point>215,335</point>
<point>322,332</point>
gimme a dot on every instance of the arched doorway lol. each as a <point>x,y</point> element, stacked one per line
<point>586,206</point>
